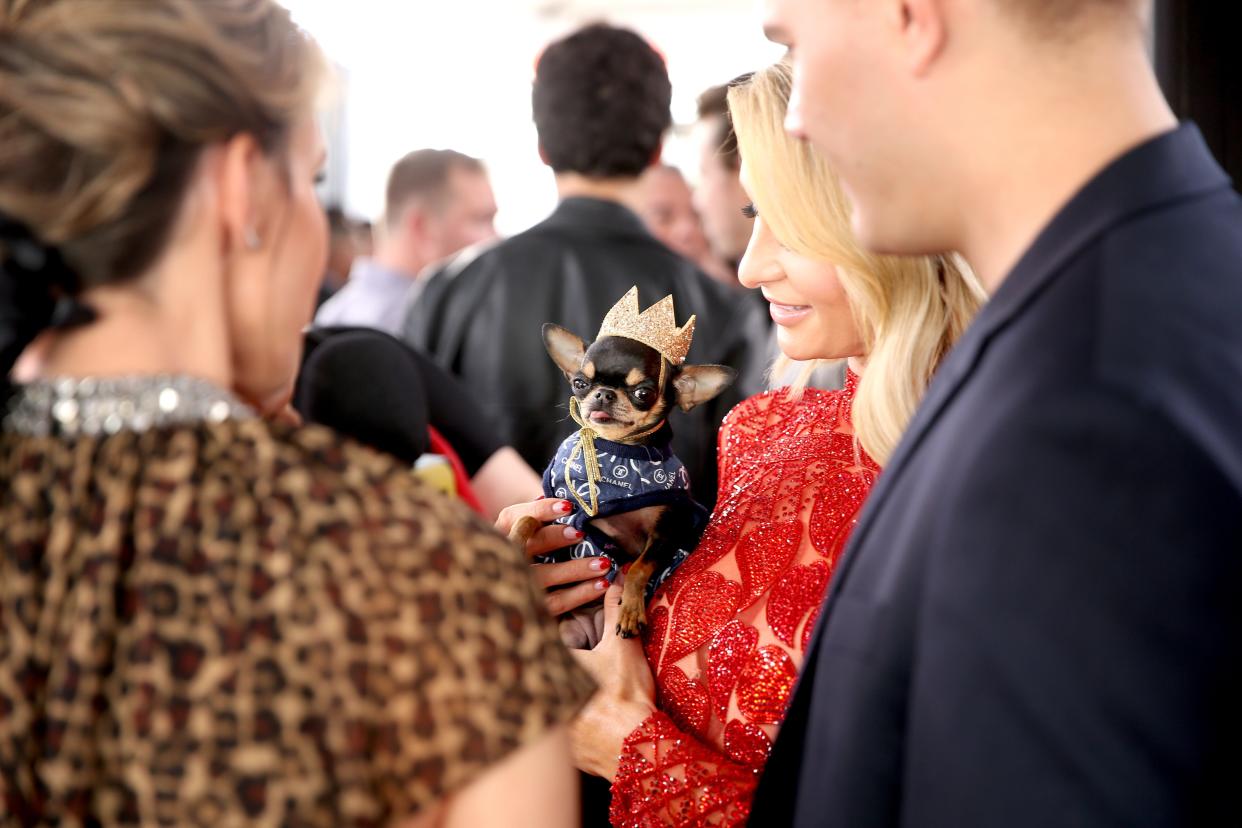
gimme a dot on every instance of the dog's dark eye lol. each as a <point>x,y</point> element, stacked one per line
<point>642,395</point>
<point>579,384</point>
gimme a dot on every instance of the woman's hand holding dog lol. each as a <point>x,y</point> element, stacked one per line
<point>585,574</point>
<point>625,698</point>
<point>626,695</point>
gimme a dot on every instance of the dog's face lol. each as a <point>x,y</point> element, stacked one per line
<point>617,383</point>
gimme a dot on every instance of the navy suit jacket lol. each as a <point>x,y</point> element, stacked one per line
<point>1038,621</point>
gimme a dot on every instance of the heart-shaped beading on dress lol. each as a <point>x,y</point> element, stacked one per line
<point>764,554</point>
<point>746,743</point>
<point>796,594</point>
<point>833,518</point>
<point>726,656</point>
<point>684,699</point>
<point>706,604</point>
<point>765,685</point>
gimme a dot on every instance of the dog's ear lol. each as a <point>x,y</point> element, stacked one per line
<point>566,350</point>
<point>695,384</point>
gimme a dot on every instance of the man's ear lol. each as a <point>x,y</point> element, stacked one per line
<point>416,221</point>
<point>695,384</point>
<point>566,350</point>
<point>923,32</point>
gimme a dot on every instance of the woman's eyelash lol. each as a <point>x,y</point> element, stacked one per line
<point>749,211</point>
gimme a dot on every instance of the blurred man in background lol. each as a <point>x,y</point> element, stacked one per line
<point>438,202</point>
<point>720,198</point>
<point>666,206</point>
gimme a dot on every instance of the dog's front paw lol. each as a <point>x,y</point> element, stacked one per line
<point>633,619</point>
<point>524,528</point>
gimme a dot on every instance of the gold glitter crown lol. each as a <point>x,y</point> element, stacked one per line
<point>656,327</point>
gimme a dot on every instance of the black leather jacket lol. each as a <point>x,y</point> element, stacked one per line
<point>483,322</point>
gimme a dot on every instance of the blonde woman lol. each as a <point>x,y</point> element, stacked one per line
<point>683,722</point>
<point>209,618</point>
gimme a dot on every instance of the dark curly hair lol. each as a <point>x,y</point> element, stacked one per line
<point>601,103</point>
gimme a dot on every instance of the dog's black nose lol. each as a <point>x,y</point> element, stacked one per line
<point>605,396</point>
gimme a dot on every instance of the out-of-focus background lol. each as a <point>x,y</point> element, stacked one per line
<point>457,74</point>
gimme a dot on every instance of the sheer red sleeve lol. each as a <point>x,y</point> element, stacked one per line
<point>668,777</point>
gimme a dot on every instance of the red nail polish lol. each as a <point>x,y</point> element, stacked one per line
<point>563,507</point>
<point>601,585</point>
<point>601,564</point>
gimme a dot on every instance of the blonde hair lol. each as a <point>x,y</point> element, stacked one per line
<point>105,107</point>
<point>909,310</point>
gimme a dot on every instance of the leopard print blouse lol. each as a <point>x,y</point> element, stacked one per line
<point>247,623</point>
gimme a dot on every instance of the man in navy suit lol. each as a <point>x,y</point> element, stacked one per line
<point>1039,619</point>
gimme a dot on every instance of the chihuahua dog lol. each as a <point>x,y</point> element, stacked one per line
<point>629,492</point>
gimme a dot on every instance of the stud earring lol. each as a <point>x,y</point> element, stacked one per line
<point>251,238</point>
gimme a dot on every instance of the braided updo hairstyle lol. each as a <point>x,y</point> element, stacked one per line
<point>105,107</point>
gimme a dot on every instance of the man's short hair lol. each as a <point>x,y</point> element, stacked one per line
<point>714,103</point>
<point>601,103</point>
<point>424,174</point>
<point>1066,17</point>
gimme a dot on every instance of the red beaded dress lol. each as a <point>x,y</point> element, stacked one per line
<point>726,634</point>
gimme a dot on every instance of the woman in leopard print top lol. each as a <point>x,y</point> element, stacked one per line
<point>207,618</point>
